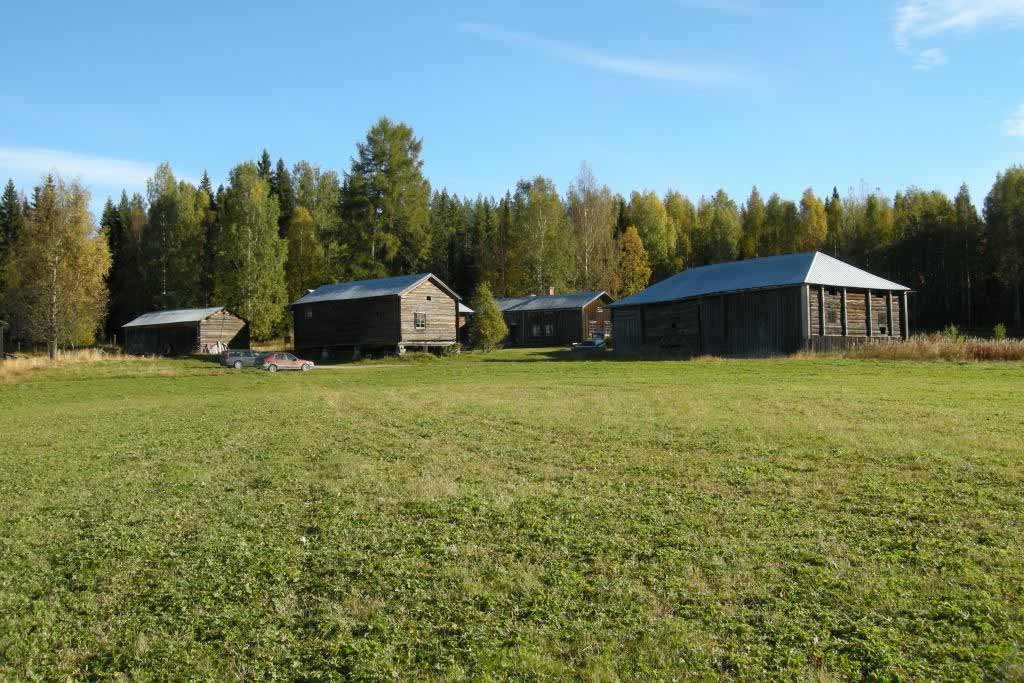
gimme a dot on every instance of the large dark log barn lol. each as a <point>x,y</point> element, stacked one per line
<point>555,319</point>
<point>762,307</point>
<point>387,314</point>
<point>185,331</point>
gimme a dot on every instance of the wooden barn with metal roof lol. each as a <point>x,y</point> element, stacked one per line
<point>386,314</point>
<point>556,319</point>
<point>761,307</point>
<point>185,331</point>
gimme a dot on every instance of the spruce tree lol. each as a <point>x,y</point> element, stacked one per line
<point>264,166</point>
<point>487,329</point>
<point>281,186</point>
<point>12,216</point>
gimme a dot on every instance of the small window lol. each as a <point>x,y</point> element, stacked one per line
<point>600,310</point>
<point>549,330</point>
<point>380,315</point>
<point>309,313</point>
<point>420,320</point>
<point>289,356</point>
<point>429,298</point>
<point>535,330</point>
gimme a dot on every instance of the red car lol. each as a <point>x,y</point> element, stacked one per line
<point>279,360</point>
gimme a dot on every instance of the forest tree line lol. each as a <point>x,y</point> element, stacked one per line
<point>273,231</point>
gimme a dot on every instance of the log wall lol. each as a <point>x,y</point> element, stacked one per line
<point>224,327</point>
<point>441,309</point>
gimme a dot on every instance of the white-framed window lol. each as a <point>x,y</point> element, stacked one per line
<point>600,310</point>
<point>419,321</point>
<point>535,330</point>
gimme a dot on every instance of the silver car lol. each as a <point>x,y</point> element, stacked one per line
<point>240,358</point>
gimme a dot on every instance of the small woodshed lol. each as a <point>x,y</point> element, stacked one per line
<point>556,319</point>
<point>767,306</point>
<point>465,312</point>
<point>185,331</point>
<point>388,314</point>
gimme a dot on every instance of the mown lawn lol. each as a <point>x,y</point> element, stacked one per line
<point>514,517</point>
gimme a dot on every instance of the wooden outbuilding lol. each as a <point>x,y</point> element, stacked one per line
<point>387,314</point>
<point>465,312</point>
<point>762,307</point>
<point>185,331</point>
<point>556,319</point>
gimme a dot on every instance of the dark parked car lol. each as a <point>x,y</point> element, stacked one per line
<point>590,346</point>
<point>240,358</point>
<point>285,361</point>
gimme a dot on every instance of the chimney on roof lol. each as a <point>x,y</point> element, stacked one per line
<point>551,291</point>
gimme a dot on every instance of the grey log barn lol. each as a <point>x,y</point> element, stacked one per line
<point>555,319</point>
<point>762,307</point>
<point>185,331</point>
<point>386,314</point>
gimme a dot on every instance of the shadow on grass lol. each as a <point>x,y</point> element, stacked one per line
<point>565,355</point>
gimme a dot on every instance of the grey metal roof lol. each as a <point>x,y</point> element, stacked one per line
<point>176,317</point>
<point>507,303</point>
<point>554,302</point>
<point>811,267</point>
<point>367,289</point>
<point>465,310</point>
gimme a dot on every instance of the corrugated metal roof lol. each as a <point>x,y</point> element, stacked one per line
<point>176,317</point>
<point>811,267</point>
<point>548,303</point>
<point>367,289</point>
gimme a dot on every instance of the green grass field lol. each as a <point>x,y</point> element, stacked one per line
<point>513,517</point>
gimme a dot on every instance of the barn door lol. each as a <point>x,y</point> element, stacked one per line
<point>626,332</point>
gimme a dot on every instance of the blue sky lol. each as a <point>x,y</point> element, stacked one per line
<point>686,94</point>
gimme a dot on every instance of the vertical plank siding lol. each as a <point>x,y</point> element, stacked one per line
<point>354,322</point>
<point>760,323</point>
<point>558,327</point>
<point>186,338</point>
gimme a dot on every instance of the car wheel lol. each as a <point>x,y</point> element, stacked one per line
<point>272,368</point>
<point>305,367</point>
<point>237,365</point>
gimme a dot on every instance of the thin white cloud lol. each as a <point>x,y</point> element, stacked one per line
<point>930,58</point>
<point>626,66</point>
<point>1014,125</point>
<point>918,20</point>
<point>91,170</point>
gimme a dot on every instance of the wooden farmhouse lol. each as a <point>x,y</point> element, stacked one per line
<point>762,307</point>
<point>388,314</point>
<point>556,319</point>
<point>185,331</point>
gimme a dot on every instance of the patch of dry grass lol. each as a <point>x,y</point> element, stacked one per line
<point>936,347</point>
<point>23,365</point>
